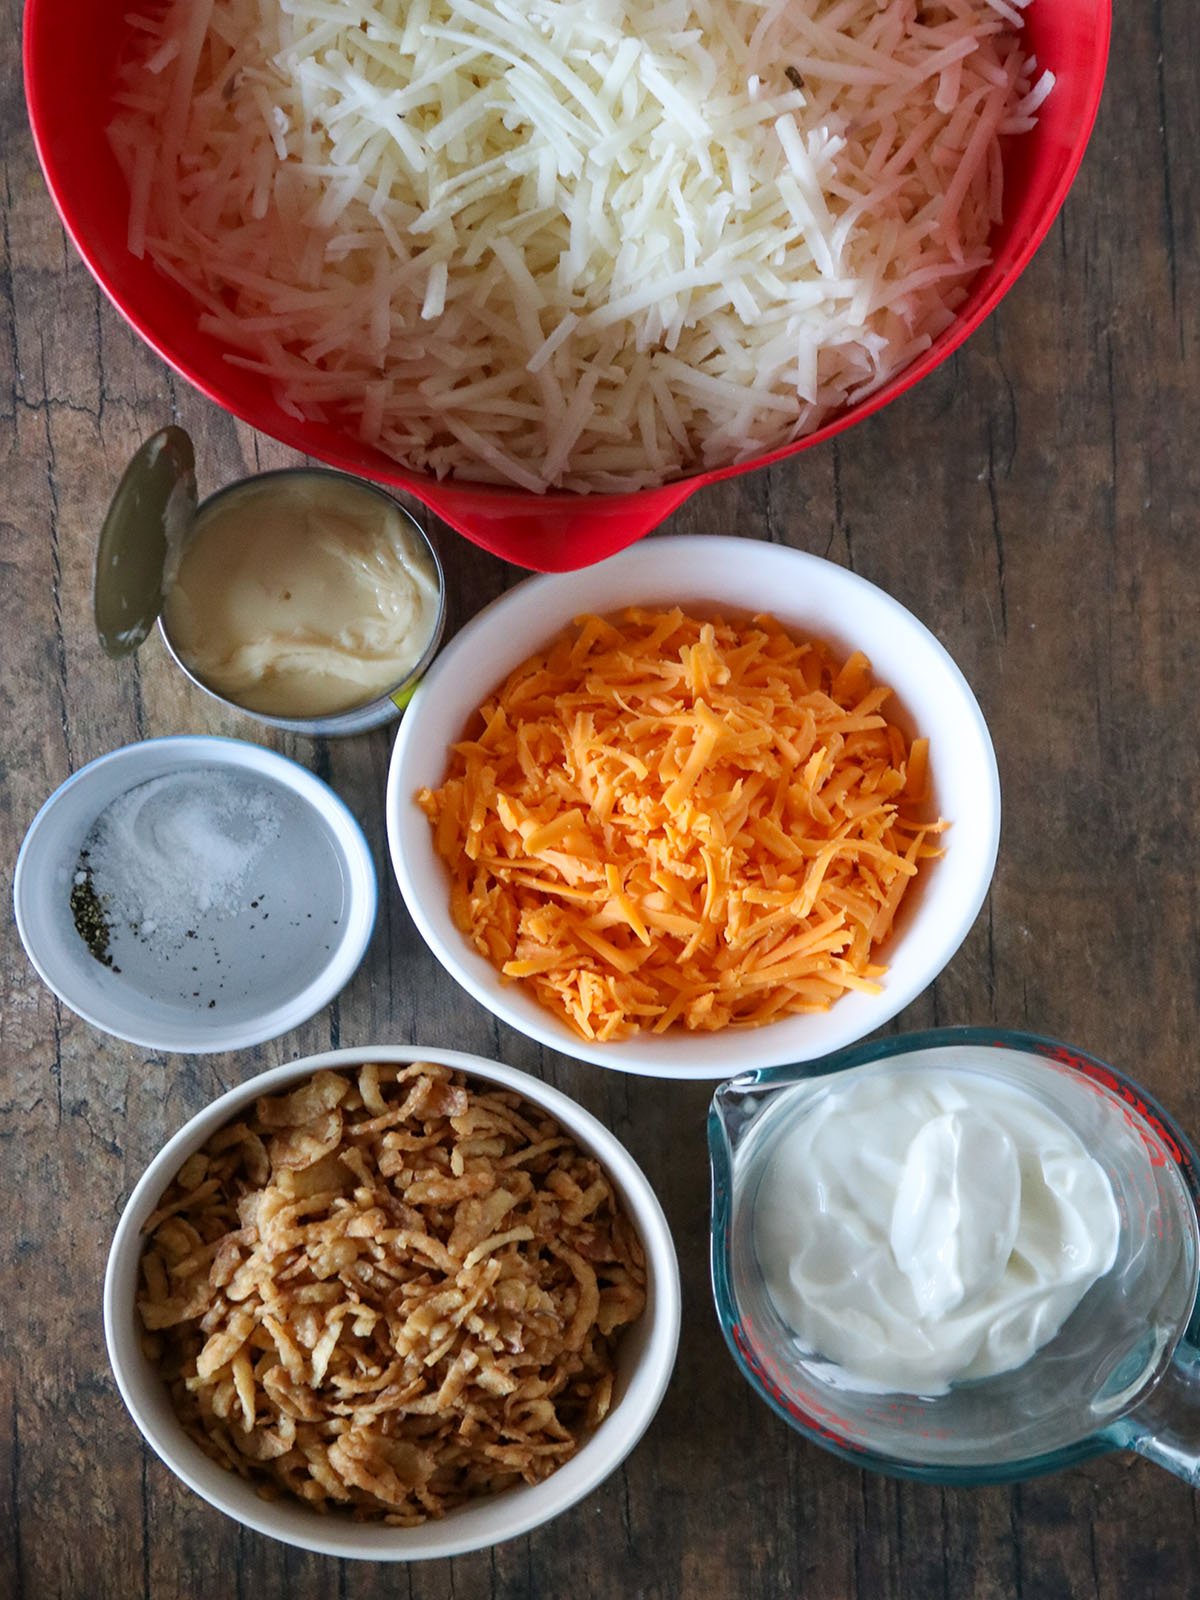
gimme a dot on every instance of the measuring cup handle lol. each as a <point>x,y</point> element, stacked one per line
<point>1165,1428</point>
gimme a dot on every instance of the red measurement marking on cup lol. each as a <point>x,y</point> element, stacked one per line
<point>818,1419</point>
<point>1140,1117</point>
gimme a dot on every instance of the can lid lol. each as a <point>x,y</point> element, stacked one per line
<point>153,507</point>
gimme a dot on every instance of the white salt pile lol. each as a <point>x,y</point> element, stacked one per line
<point>180,849</point>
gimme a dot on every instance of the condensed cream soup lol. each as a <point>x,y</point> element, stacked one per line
<point>919,1227</point>
<point>301,595</point>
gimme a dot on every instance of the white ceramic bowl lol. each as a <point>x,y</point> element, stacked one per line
<point>646,1354</point>
<point>244,977</point>
<point>811,596</point>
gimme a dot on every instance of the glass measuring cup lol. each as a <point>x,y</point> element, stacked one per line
<point>1124,1370</point>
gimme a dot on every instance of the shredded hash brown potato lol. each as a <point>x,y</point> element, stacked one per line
<point>563,244</point>
<point>662,821</point>
<point>390,1292</point>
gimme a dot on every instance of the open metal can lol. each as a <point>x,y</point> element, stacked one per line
<point>156,524</point>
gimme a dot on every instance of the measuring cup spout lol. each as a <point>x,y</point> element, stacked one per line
<point>737,1105</point>
<point>1165,1427</point>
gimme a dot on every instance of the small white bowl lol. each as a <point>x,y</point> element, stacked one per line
<point>244,977</point>
<point>645,1359</point>
<point>810,596</point>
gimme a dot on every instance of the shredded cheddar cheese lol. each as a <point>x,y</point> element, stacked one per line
<point>661,821</point>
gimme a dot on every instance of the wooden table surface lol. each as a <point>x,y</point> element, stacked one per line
<point>1035,503</point>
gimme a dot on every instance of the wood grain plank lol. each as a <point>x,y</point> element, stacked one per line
<point>1035,501</point>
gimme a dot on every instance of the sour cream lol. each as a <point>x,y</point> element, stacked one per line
<point>301,594</point>
<point>917,1227</point>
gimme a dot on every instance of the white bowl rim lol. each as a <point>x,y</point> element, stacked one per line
<point>219,1486</point>
<point>642,1054</point>
<point>344,828</point>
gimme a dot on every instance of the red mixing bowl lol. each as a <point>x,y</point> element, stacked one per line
<point>71,53</point>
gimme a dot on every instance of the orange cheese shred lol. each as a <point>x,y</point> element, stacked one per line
<point>662,821</point>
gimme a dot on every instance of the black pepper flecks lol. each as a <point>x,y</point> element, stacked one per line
<point>87,911</point>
